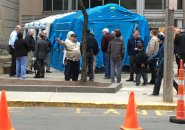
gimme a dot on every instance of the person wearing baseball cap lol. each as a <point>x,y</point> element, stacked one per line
<point>107,37</point>
<point>72,67</point>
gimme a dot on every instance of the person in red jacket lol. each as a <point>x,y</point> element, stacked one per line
<point>107,37</point>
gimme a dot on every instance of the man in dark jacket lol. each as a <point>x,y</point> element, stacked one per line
<point>21,51</point>
<point>160,72</point>
<point>179,42</point>
<point>107,37</point>
<point>41,51</point>
<point>141,60</point>
<point>116,53</point>
<point>48,56</point>
<point>92,50</point>
<point>132,51</point>
<point>30,40</point>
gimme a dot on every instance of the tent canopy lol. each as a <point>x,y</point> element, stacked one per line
<point>111,16</point>
<point>41,23</point>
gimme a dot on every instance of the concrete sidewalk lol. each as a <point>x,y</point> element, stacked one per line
<point>103,100</point>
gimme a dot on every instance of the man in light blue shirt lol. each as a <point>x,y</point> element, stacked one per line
<point>13,37</point>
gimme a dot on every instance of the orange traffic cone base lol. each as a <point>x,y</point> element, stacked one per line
<point>122,128</point>
<point>173,119</point>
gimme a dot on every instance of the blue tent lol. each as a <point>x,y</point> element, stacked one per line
<point>111,16</point>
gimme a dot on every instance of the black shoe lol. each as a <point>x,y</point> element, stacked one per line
<point>36,77</point>
<point>12,75</point>
<point>143,84</point>
<point>151,82</point>
<point>48,71</point>
<point>154,94</point>
<point>91,80</point>
<point>130,79</point>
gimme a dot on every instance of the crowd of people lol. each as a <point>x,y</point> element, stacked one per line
<point>28,54</point>
<point>142,59</point>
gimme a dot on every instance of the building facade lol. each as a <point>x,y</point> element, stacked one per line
<point>9,17</point>
<point>13,12</point>
<point>153,10</point>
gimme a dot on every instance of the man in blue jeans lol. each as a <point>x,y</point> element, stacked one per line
<point>159,78</point>
<point>116,53</point>
<point>107,37</point>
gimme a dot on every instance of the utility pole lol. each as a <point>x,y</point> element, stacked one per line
<point>168,52</point>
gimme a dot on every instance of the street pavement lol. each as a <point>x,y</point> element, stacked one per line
<point>105,100</point>
<point>42,118</point>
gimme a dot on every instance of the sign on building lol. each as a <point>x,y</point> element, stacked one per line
<point>173,4</point>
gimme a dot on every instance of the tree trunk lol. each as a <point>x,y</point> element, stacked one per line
<point>84,63</point>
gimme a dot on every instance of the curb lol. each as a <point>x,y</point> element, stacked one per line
<point>87,105</point>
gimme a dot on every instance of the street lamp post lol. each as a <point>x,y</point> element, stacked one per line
<point>168,53</point>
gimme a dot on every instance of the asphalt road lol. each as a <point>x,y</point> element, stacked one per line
<point>86,119</point>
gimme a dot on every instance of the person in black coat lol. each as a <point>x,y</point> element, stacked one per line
<point>47,61</point>
<point>21,52</point>
<point>132,51</point>
<point>141,60</point>
<point>92,50</point>
<point>41,52</point>
<point>30,40</point>
<point>179,44</point>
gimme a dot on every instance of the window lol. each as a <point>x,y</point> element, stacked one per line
<point>50,5</point>
<point>111,1</point>
<point>65,5</point>
<point>129,4</point>
<point>95,3</point>
<point>179,4</point>
<point>74,2</point>
<point>57,4</point>
<point>153,4</point>
<point>47,5</point>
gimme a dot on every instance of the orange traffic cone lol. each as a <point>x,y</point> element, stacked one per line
<point>5,123</point>
<point>131,121</point>
<point>180,112</point>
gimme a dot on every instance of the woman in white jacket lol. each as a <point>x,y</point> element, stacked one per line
<point>72,57</point>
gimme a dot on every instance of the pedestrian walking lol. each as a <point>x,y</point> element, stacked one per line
<point>107,37</point>
<point>132,51</point>
<point>72,67</point>
<point>21,51</point>
<point>13,37</point>
<point>160,72</point>
<point>141,60</point>
<point>116,53</point>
